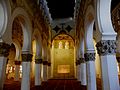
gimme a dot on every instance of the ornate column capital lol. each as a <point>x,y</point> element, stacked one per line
<point>89,56</point>
<point>45,62</point>
<point>4,49</point>
<point>78,62</point>
<point>82,60</point>
<point>27,57</point>
<point>106,47</point>
<point>49,63</point>
<point>118,59</point>
<point>38,61</point>
<point>17,62</point>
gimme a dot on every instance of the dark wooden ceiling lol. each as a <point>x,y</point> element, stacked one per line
<point>61,8</point>
<point>65,8</point>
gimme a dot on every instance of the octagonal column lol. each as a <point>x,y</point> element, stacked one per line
<point>107,49</point>
<point>49,70</point>
<point>78,70</point>
<point>4,52</point>
<point>38,80</point>
<point>83,71</point>
<point>45,65</point>
<point>26,69</point>
<point>90,70</point>
<point>17,70</point>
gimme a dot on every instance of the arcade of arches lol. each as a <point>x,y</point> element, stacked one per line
<point>35,47</point>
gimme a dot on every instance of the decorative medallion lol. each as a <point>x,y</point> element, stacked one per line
<point>106,47</point>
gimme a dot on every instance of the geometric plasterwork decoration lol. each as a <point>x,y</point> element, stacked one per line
<point>56,29</point>
<point>68,28</point>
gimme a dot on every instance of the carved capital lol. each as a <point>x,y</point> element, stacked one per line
<point>82,60</point>
<point>118,59</point>
<point>17,62</point>
<point>78,62</point>
<point>38,61</point>
<point>106,47</point>
<point>49,63</point>
<point>4,49</point>
<point>45,62</point>
<point>89,56</point>
<point>27,57</point>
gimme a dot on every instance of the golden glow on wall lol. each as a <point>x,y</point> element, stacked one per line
<point>33,58</point>
<point>62,57</point>
<point>63,68</point>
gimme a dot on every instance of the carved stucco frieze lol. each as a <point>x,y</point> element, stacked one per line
<point>106,47</point>
<point>27,57</point>
<point>4,49</point>
<point>89,56</point>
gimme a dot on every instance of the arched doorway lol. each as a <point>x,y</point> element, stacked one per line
<point>63,57</point>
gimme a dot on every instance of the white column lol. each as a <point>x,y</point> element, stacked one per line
<point>45,63</point>
<point>49,70</point>
<point>83,72</point>
<point>90,69</point>
<point>38,72</point>
<point>78,70</point>
<point>106,50</point>
<point>4,52</point>
<point>17,69</point>
<point>3,61</point>
<point>17,74</point>
<point>26,69</point>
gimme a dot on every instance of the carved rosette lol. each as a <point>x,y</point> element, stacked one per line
<point>38,61</point>
<point>27,57</point>
<point>17,62</point>
<point>106,47</point>
<point>4,49</point>
<point>82,60</point>
<point>45,62</point>
<point>89,56</point>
